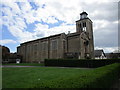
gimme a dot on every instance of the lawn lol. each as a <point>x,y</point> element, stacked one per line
<point>34,76</point>
<point>55,77</point>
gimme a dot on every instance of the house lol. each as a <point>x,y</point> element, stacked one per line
<point>113,55</point>
<point>99,54</point>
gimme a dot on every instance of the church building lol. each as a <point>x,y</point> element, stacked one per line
<point>78,45</point>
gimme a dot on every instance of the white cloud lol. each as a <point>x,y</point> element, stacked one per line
<point>43,29</point>
<point>107,49</point>
<point>6,41</point>
<point>100,24</point>
<point>61,29</point>
<point>51,20</point>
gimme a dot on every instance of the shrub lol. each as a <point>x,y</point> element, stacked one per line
<point>91,63</point>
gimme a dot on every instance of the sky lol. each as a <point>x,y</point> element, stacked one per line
<point>26,20</point>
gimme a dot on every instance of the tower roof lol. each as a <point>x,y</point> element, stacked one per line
<point>83,13</point>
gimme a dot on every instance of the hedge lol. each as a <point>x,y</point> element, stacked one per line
<point>102,77</point>
<point>87,63</point>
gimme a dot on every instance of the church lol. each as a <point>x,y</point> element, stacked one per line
<point>77,45</point>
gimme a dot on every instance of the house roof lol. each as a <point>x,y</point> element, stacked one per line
<point>98,53</point>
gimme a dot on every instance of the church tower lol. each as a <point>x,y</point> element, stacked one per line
<point>85,28</point>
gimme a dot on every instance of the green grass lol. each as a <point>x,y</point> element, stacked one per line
<point>35,76</point>
<point>25,64</point>
<point>49,77</point>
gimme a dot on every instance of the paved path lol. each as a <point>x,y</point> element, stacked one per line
<point>19,66</point>
<point>43,66</point>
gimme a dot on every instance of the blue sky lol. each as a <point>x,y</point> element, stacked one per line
<point>25,21</point>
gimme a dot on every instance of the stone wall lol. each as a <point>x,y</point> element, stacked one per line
<point>74,43</point>
<point>38,50</point>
